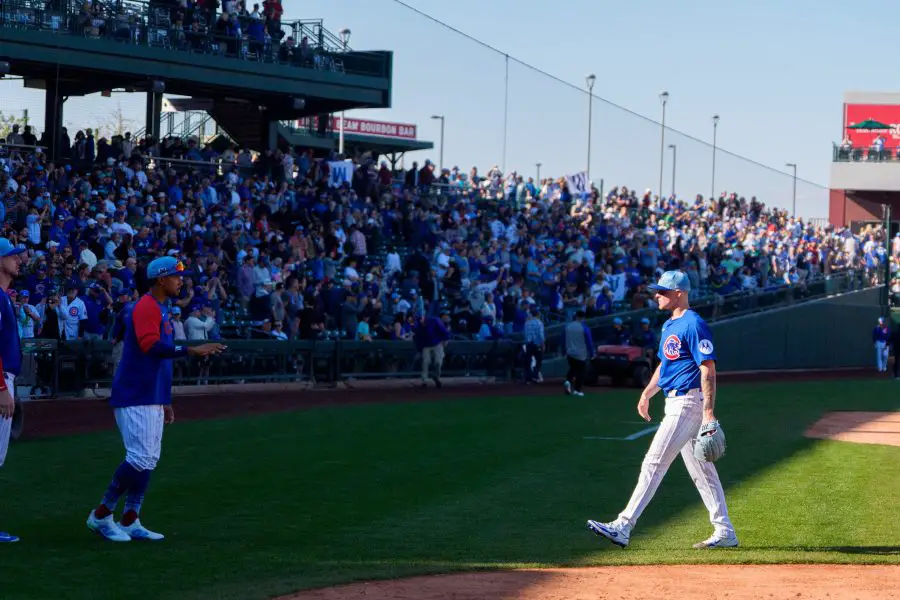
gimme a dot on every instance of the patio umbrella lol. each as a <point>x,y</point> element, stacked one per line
<point>870,124</point>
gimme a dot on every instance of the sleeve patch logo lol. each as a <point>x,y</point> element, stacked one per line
<point>705,346</point>
<point>672,347</point>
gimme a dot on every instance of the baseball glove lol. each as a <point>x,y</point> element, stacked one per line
<point>710,443</point>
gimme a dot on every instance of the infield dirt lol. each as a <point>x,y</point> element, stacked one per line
<point>711,582</point>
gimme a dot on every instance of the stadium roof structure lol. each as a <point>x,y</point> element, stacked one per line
<point>254,88</point>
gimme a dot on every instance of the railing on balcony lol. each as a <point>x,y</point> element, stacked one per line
<point>184,124</point>
<point>849,153</point>
<point>303,43</point>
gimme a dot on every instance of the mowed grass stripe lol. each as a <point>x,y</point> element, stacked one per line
<point>260,506</point>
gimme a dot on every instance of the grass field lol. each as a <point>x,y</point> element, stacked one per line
<point>260,506</point>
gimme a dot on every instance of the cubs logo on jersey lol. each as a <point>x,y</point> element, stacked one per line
<point>167,326</point>
<point>672,347</point>
<point>73,311</point>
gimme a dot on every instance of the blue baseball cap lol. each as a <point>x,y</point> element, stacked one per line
<point>7,248</point>
<point>672,281</point>
<point>166,266</point>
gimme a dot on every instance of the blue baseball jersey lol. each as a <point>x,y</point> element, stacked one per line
<point>684,344</point>
<point>10,346</point>
<point>144,375</point>
<point>881,334</point>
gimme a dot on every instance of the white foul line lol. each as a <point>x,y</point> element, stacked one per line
<point>629,438</point>
<point>642,433</point>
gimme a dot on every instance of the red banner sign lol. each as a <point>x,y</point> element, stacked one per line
<point>888,114</point>
<point>363,127</point>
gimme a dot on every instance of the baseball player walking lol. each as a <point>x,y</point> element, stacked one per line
<point>141,397</point>
<point>687,376</point>
<point>881,338</point>
<point>579,349</point>
<point>10,351</point>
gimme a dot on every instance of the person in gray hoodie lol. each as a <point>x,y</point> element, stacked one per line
<point>579,349</point>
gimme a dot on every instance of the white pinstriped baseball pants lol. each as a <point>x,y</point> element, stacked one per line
<point>6,424</point>
<point>676,433</point>
<point>142,430</point>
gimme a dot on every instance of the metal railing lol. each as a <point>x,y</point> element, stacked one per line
<point>62,368</point>
<point>184,124</point>
<point>137,22</point>
<point>849,153</point>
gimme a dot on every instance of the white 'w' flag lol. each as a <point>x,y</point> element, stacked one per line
<point>578,183</point>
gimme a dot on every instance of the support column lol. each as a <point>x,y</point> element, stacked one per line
<point>153,114</point>
<point>269,131</point>
<point>53,117</point>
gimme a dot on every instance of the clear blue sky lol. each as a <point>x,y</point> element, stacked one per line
<point>774,71</point>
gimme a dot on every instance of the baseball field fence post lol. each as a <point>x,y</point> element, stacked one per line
<point>54,353</point>
<point>886,287</point>
<point>335,373</point>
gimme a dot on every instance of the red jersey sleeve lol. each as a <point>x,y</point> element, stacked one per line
<point>147,320</point>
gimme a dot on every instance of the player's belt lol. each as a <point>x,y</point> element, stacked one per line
<point>675,392</point>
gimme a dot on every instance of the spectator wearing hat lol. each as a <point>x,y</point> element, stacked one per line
<point>619,336</point>
<point>98,308</point>
<point>198,326</point>
<point>28,316</point>
<point>177,325</point>
<point>72,313</point>
<point>645,337</point>
<point>200,322</point>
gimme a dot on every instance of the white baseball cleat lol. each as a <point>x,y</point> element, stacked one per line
<point>568,388</point>
<point>719,540</point>
<point>107,528</point>
<point>136,531</point>
<point>577,393</point>
<point>611,531</point>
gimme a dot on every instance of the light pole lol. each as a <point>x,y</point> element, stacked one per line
<point>664,98</point>
<point>591,79</point>
<point>674,163</point>
<point>712,192</point>
<point>794,209</point>
<point>441,117</point>
<point>345,40</point>
<point>538,165</point>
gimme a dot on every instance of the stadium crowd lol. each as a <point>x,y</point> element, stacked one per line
<point>277,251</point>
